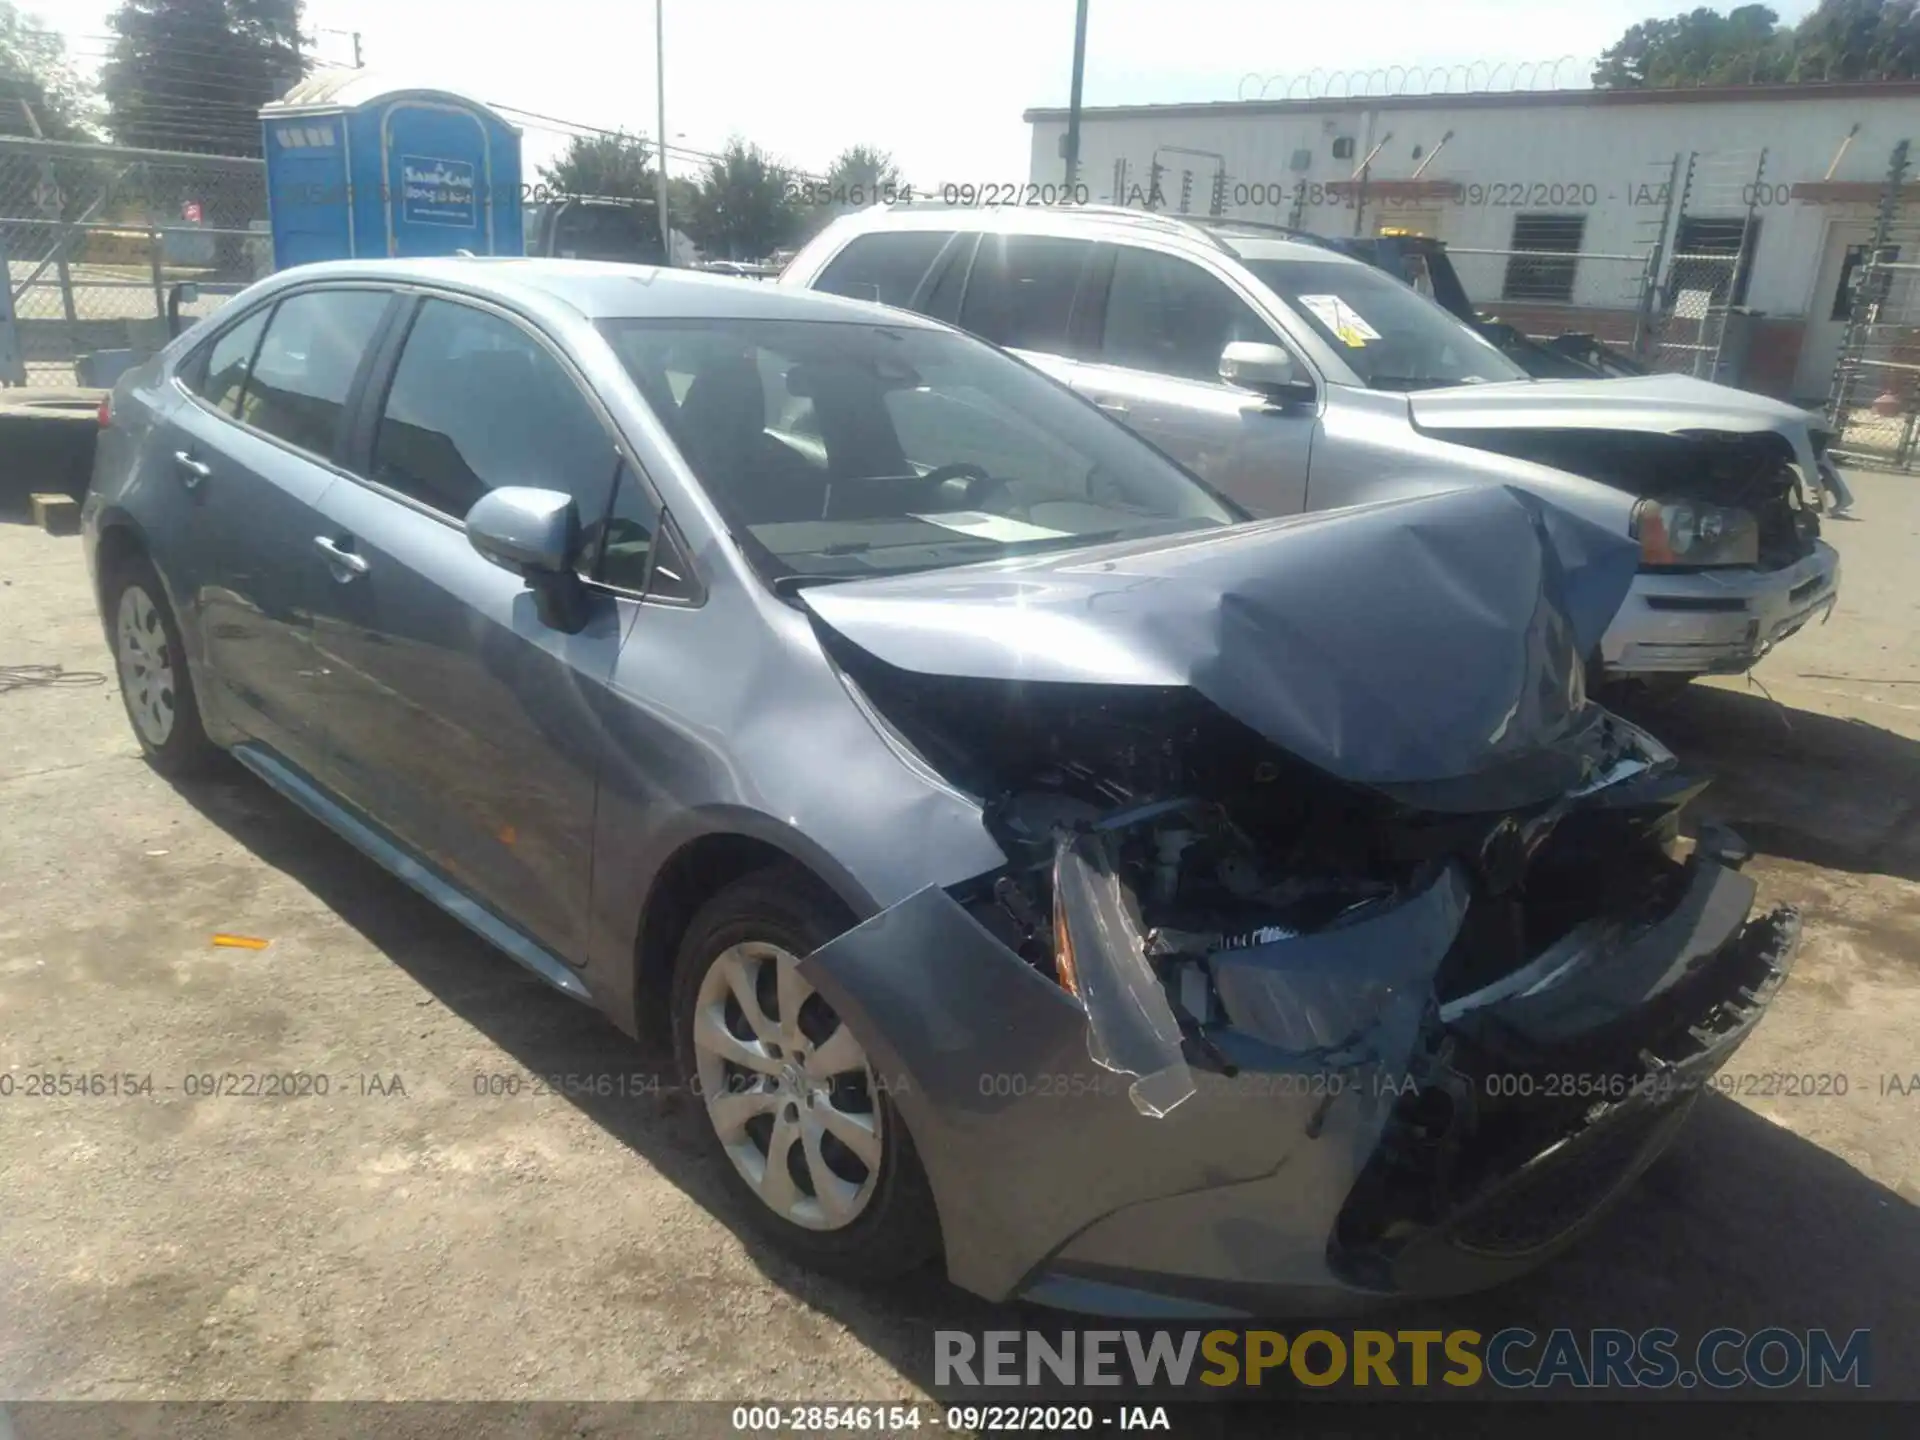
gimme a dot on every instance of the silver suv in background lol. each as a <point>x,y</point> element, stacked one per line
<point>1294,378</point>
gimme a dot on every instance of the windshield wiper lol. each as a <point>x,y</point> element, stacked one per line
<point>1405,382</point>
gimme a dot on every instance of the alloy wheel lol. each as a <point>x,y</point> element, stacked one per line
<point>146,665</point>
<point>788,1088</point>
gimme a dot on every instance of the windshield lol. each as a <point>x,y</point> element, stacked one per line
<point>1392,337</point>
<point>837,450</point>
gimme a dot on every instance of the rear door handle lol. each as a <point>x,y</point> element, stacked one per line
<point>192,471</point>
<point>1115,408</point>
<point>340,559</point>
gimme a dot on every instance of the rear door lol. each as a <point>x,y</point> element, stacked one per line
<point>890,267</point>
<point>1024,292</point>
<point>458,720</point>
<point>1164,323</point>
<point>257,449</point>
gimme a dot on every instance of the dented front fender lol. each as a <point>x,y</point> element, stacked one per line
<point>1027,1139</point>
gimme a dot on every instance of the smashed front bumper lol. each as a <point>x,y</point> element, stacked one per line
<point>1717,621</point>
<point>1346,1136</point>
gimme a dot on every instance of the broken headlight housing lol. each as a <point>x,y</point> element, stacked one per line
<point>1692,533</point>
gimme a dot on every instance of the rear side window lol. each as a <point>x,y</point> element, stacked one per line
<point>478,403</point>
<point>1020,294</point>
<point>314,345</point>
<point>1168,316</point>
<point>886,268</point>
<point>225,365</point>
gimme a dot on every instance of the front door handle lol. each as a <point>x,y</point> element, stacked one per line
<point>340,559</point>
<point>1115,408</point>
<point>191,471</point>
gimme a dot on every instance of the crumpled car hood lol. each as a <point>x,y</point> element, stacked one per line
<point>1655,404</point>
<point>1415,641</point>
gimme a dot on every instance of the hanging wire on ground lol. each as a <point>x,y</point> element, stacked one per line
<point>1753,683</point>
<point>45,677</point>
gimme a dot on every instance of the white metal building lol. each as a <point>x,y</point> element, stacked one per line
<point>1783,181</point>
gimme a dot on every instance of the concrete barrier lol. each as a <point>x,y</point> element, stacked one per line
<point>46,444</point>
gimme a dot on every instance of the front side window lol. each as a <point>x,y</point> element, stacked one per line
<point>223,380</point>
<point>1390,336</point>
<point>887,268</point>
<point>838,449</point>
<point>1020,292</point>
<point>1168,316</point>
<point>477,403</point>
<point>313,347</point>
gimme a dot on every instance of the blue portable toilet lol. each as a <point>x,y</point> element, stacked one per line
<point>359,167</point>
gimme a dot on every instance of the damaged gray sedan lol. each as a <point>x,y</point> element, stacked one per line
<point>1038,865</point>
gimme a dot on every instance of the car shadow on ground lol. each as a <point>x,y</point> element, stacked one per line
<point>1838,793</point>
<point>1742,1224</point>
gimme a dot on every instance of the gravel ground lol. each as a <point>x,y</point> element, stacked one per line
<point>406,1236</point>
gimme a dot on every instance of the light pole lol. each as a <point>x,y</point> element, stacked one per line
<point>660,159</point>
<point>1073,101</point>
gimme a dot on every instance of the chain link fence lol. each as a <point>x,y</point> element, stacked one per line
<point>96,238</point>
<point>1876,408</point>
<point>1873,407</point>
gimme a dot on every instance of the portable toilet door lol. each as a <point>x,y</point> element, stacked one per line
<point>437,160</point>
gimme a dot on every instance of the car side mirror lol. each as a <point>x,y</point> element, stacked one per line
<point>536,535</point>
<point>1267,370</point>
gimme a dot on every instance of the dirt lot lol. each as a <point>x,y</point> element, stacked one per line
<point>441,1243</point>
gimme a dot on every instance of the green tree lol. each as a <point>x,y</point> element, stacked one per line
<point>1859,40</point>
<point>743,210</point>
<point>603,165</point>
<point>1840,40</point>
<point>1701,47</point>
<point>865,170</point>
<point>193,74</point>
<point>39,93</point>
<point>615,165</point>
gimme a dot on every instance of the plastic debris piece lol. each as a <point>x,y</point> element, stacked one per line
<point>240,942</point>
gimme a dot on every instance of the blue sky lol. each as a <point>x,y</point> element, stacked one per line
<point>941,84</point>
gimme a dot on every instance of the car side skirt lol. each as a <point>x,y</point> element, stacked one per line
<point>390,855</point>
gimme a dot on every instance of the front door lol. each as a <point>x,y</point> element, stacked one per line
<point>1157,371</point>
<point>1842,264</point>
<point>460,720</point>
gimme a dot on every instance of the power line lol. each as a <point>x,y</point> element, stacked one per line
<point>573,127</point>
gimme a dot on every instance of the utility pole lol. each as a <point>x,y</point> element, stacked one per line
<point>1073,101</point>
<point>660,140</point>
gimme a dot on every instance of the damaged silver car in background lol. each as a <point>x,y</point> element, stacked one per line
<point>1038,865</point>
<point>1292,377</point>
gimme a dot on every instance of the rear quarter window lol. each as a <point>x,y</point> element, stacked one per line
<point>217,372</point>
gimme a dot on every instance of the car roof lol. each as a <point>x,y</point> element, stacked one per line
<point>1200,234</point>
<point>599,290</point>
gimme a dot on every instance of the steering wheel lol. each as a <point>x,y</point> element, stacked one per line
<point>963,470</point>
<point>983,492</point>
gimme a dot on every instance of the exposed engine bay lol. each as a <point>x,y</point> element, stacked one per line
<point>1219,841</point>
<point>1751,471</point>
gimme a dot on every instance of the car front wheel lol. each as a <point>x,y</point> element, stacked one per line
<point>792,1106</point>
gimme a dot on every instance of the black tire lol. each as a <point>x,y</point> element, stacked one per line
<point>897,1231</point>
<point>184,749</point>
